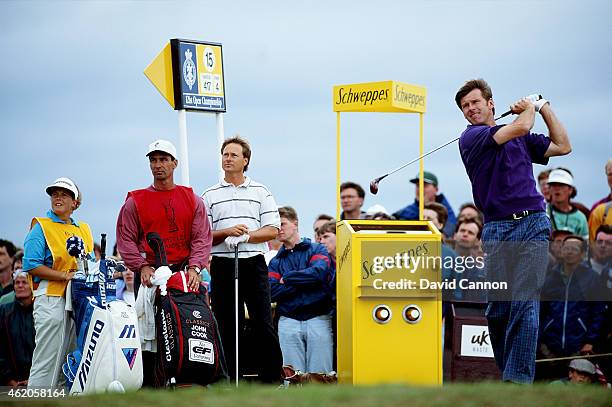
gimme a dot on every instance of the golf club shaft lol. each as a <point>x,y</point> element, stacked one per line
<point>236,305</point>
<point>418,158</point>
<point>503,115</point>
<point>374,184</point>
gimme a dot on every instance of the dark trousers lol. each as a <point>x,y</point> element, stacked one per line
<point>254,290</point>
<point>148,369</point>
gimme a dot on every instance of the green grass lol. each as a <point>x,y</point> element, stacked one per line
<point>456,395</point>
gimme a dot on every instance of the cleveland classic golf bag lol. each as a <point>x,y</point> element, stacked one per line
<point>107,357</point>
<point>189,349</point>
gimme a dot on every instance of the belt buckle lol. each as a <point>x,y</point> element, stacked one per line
<point>519,217</point>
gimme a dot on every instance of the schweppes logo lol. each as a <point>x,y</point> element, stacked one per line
<point>351,95</point>
<point>388,96</point>
<point>408,97</point>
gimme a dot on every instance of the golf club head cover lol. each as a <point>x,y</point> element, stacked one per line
<point>160,278</point>
<point>116,265</point>
<point>75,246</point>
<point>156,244</point>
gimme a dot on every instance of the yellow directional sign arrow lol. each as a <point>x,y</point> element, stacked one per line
<point>159,72</point>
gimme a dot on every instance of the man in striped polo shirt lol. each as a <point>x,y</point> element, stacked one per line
<point>243,212</point>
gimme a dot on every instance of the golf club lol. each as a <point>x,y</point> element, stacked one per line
<point>374,183</point>
<point>534,98</point>
<point>236,306</point>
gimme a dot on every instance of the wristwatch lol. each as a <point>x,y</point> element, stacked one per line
<point>196,268</point>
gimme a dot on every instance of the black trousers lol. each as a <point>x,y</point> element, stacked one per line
<point>254,290</point>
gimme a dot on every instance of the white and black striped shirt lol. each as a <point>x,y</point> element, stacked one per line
<point>251,204</point>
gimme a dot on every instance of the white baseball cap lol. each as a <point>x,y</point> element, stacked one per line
<point>164,146</point>
<point>64,183</point>
<point>560,176</point>
<point>374,209</point>
<point>583,365</point>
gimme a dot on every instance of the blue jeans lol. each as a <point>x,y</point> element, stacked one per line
<point>307,345</point>
<point>514,321</point>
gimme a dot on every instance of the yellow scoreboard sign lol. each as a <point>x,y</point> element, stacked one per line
<point>387,96</point>
<point>189,74</point>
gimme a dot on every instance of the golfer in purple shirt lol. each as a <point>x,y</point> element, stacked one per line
<point>499,162</point>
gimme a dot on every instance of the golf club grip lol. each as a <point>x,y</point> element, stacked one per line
<point>103,246</point>
<point>156,244</point>
<point>236,262</point>
<point>504,115</point>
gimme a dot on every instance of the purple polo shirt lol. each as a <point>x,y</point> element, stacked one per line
<point>502,175</point>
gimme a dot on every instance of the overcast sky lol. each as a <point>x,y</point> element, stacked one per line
<point>75,101</point>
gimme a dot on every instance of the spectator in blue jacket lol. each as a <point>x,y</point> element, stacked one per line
<point>430,194</point>
<point>300,283</point>
<point>571,323</point>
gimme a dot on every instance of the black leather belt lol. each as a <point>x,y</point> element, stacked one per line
<point>521,215</point>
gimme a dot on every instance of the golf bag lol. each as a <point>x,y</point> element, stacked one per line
<point>107,357</point>
<point>189,349</point>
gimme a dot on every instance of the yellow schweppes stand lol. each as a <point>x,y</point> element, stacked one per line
<point>388,304</point>
<point>388,301</point>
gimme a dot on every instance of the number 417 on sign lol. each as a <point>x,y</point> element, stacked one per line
<point>211,83</point>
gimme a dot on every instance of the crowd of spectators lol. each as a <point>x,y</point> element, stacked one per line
<point>576,310</point>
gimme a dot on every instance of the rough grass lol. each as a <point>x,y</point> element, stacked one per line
<point>456,395</point>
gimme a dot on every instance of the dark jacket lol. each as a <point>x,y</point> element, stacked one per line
<point>306,289</point>
<point>568,318</point>
<point>16,341</point>
<point>411,212</point>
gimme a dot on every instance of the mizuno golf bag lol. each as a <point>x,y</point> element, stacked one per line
<point>107,357</point>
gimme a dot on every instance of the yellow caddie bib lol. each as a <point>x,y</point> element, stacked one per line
<point>56,235</point>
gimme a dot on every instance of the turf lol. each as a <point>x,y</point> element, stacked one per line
<point>456,395</point>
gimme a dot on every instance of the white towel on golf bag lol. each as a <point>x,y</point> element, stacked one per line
<point>145,312</point>
<point>112,359</point>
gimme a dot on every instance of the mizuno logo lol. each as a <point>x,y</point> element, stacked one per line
<point>129,331</point>
<point>93,342</point>
<point>130,355</point>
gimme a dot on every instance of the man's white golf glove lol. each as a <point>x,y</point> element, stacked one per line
<point>233,241</point>
<point>537,100</point>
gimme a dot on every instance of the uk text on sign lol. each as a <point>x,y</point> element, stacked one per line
<point>475,341</point>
